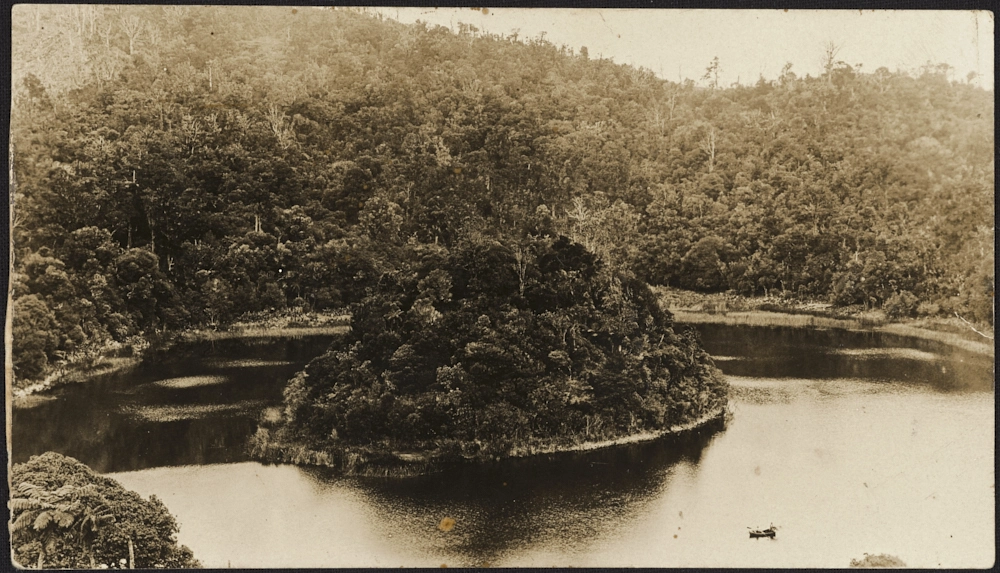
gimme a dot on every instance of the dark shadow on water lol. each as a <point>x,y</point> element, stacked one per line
<point>786,352</point>
<point>126,421</point>
<point>511,505</point>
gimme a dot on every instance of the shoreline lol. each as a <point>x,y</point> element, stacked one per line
<point>71,374</point>
<point>108,362</point>
<point>409,464</point>
<point>793,320</point>
<point>639,438</point>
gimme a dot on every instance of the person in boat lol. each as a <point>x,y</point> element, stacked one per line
<point>769,532</point>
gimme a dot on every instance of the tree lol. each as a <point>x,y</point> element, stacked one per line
<point>708,146</point>
<point>829,60</point>
<point>702,267</point>
<point>132,27</point>
<point>34,336</point>
<point>712,73</point>
<point>476,353</point>
<point>254,167</point>
<point>145,289</point>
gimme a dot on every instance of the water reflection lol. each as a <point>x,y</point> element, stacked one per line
<point>196,406</point>
<point>511,505</point>
<point>784,352</point>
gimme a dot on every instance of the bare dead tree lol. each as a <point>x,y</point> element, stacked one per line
<point>154,35</point>
<point>105,32</point>
<point>521,260</point>
<point>36,17</point>
<point>106,69</point>
<point>276,119</point>
<point>830,51</point>
<point>641,77</point>
<point>132,26</point>
<point>176,12</point>
<point>708,146</point>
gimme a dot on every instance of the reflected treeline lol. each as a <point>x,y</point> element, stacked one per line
<point>516,503</point>
<point>785,352</point>
<point>126,444</point>
<point>176,357</point>
<point>128,421</point>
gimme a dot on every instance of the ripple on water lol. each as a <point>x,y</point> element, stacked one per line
<point>785,390</point>
<point>759,390</point>
<point>161,413</point>
<point>248,363</point>
<point>881,353</point>
<point>191,381</point>
<point>31,400</point>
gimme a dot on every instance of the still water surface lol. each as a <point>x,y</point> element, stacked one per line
<point>850,443</point>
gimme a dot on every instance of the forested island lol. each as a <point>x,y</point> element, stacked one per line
<point>493,349</point>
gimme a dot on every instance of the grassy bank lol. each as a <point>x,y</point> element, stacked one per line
<point>384,462</point>
<point>80,367</point>
<point>697,308</point>
<point>286,324</point>
<point>99,360</point>
<point>261,332</point>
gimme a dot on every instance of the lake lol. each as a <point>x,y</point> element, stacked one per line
<point>848,442</point>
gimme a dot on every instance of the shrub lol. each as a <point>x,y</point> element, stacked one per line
<point>928,309</point>
<point>73,491</point>
<point>902,304</point>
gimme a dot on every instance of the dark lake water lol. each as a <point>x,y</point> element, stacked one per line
<point>850,443</point>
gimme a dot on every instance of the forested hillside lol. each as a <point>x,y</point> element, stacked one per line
<point>179,166</point>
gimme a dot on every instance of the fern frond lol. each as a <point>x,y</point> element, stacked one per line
<point>63,519</point>
<point>43,520</point>
<point>26,487</point>
<point>89,489</point>
<point>23,521</point>
<point>65,491</point>
<point>22,504</point>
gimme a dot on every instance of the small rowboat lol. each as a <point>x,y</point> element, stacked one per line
<point>769,532</point>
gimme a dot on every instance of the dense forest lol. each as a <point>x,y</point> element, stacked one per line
<point>178,166</point>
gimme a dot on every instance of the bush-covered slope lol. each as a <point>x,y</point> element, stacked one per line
<point>495,348</point>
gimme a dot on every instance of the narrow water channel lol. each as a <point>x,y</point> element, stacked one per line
<point>850,443</point>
